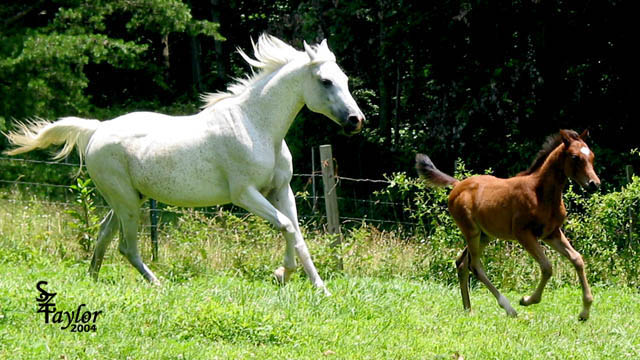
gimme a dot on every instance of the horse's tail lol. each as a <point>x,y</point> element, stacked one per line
<point>431,174</point>
<point>40,134</point>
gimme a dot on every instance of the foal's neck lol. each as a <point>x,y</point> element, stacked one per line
<point>550,177</point>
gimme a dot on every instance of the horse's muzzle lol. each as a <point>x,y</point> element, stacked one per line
<point>353,125</point>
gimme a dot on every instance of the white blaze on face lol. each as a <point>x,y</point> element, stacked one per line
<point>585,150</point>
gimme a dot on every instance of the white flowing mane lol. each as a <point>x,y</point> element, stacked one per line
<point>270,54</point>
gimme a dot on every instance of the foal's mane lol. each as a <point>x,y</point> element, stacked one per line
<point>550,144</point>
<point>270,54</point>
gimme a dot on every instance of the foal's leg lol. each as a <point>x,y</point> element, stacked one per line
<point>462,266</point>
<point>475,252</point>
<point>108,228</point>
<point>252,200</point>
<point>559,242</point>
<point>530,243</point>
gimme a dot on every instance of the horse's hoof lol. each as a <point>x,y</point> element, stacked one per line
<point>327,293</point>
<point>528,300</point>
<point>280,275</point>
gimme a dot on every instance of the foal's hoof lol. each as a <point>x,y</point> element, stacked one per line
<point>584,316</point>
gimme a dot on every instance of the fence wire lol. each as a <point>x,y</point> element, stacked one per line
<point>308,205</point>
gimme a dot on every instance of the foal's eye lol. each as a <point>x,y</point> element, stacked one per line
<point>326,82</point>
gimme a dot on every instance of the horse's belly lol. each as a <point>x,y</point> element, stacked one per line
<point>181,184</point>
<point>188,196</point>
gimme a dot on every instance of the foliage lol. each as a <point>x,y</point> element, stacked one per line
<point>423,204</point>
<point>47,49</point>
<point>602,230</point>
<point>485,81</point>
<point>600,226</point>
<point>84,218</point>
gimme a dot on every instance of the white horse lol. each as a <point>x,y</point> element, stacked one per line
<point>233,151</point>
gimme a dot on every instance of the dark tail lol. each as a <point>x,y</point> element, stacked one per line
<point>431,174</point>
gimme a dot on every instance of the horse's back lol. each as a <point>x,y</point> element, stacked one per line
<point>159,156</point>
<point>490,203</point>
<point>196,160</point>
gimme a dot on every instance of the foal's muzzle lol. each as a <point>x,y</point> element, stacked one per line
<point>592,186</point>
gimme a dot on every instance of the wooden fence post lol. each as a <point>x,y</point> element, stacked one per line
<point>629,171</point>
<point>330,197</point>
<point>153,214</point>
<point>314,208</point>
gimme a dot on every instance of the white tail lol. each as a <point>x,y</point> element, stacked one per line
<point>40,134</point>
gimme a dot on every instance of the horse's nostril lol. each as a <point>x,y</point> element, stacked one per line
<point>354,120</point>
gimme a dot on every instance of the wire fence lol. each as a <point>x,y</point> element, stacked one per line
<point>57,191</point>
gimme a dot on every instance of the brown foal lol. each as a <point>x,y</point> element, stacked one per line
<point>526,207</point>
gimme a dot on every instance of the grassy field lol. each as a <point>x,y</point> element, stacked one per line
<point>218,301</point>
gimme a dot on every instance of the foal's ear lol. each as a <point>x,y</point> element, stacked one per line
<point>566,137</point>
<point>585,134</point>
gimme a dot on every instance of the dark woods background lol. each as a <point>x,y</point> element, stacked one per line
<point>484,81</point>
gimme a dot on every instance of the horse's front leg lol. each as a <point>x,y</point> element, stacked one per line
<point>530,243</point>
<point>280,199</point>
<point>287,222</point>
<point>561,244</point>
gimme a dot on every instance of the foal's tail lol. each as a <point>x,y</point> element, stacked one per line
<point>40,134</point>
<point>431,174</point>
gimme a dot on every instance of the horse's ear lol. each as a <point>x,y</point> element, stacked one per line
<point>310,51</point>
<point>585,134</point>
<point>323,45</point>
<point>566,137</point>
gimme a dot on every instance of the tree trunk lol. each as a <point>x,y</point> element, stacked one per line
<point>196,74</point>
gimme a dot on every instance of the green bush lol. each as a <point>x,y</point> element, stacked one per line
<point>598,225</point>
<point>602,231</point>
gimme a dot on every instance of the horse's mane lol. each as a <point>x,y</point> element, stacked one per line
<point>550,144</point>
<point>270,54</point>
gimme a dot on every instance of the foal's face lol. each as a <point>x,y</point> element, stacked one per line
<point>578,163</point>
<point>326,91</point>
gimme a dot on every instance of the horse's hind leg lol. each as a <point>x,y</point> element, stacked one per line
<point>115,187</point>
<point>128,245</point>
<point>475,247</point>
<point>530,243</point>
<point>559,242</point>
<point>462,266</point>
<point>108,228</point>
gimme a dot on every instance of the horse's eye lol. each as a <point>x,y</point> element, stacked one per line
<point>326,82</point>
<point>574,157</point>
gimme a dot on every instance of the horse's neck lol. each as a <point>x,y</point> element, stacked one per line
<point>274,102</point>
<point>550,177</point>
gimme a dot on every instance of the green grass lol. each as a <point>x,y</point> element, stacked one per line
<point>221,316</point>
<point>218,300</point>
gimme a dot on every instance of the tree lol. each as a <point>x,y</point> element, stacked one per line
<point>52,49</point>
